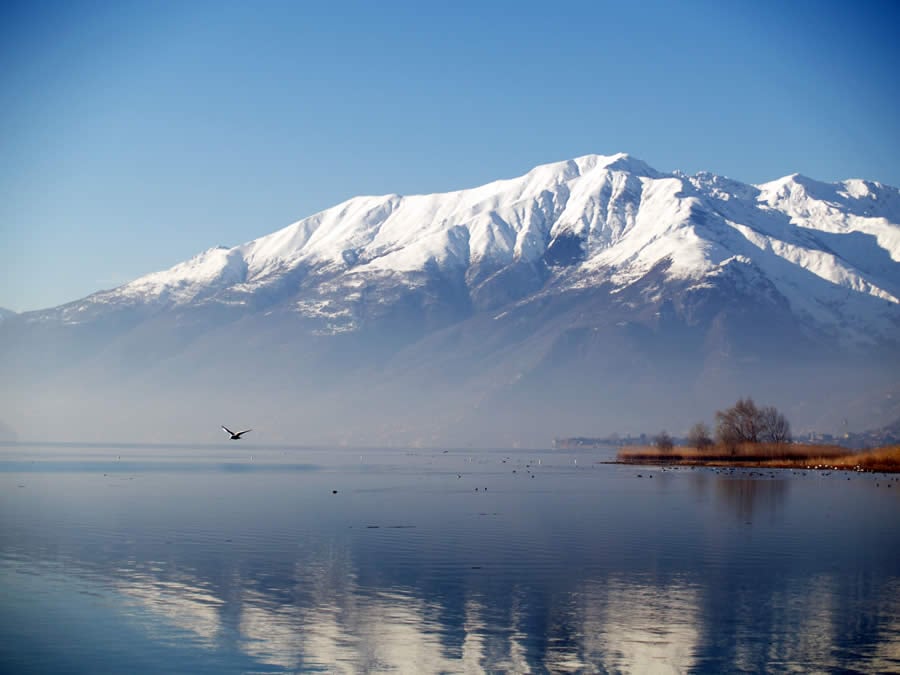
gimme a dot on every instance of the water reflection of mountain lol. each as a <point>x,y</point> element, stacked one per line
<point>610,625</point>
<point>586,570</point>
<point>336,606</point>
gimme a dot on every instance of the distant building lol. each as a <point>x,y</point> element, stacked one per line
<point>615,440</point>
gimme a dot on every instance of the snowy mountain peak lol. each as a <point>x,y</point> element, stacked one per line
<point>628,164</point>
<point>830,250</point>
<point>596,284</point>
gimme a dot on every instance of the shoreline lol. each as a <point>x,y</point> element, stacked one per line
<point>747,465</point>
<point>761,456</point>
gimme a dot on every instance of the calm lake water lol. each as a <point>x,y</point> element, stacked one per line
<point>243,559</point>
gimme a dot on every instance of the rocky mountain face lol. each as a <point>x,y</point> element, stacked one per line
<point>592,296</point>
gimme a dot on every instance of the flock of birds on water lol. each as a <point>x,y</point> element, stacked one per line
<point>822,470</point>
<point>236,436</point>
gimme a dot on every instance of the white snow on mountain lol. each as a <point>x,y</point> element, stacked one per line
<point>186,282</point>
<point>830,249</point>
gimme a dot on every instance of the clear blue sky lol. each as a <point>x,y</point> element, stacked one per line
<point>136,134</point>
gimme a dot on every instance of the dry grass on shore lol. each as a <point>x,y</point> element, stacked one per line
<point>774,455</point>
<point>885,459</point>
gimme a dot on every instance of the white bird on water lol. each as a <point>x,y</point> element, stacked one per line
<point>235,436</point>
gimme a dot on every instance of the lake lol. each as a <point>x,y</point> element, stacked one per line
<point>240,558</point>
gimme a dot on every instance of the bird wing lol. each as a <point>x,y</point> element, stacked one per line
<point>244,431</point>
<point>228,430</point>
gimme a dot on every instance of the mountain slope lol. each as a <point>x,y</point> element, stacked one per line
<point>509,297</point>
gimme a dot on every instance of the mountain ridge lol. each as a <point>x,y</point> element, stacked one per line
<point>599,266</point>
<point>339,236</point>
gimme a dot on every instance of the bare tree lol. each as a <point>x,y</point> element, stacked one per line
<point>740,423</point>
<point>745,423</point>
<point>775,427</point>
<point>663,441</point>
<point>699,436</point>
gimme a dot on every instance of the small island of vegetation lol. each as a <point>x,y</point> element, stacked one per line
<point>747,435</point>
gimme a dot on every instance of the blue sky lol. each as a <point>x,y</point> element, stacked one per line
<point>137,134</point>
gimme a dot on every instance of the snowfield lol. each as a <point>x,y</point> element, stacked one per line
<point>830,249</point>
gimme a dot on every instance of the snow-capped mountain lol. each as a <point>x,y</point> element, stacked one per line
<point>599,266</point>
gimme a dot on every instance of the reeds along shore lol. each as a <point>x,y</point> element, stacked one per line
<point>773,455</point>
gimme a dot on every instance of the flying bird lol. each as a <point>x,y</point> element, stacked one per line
<point>235,436</point>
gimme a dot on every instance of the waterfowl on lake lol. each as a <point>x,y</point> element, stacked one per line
<point>235,436</point>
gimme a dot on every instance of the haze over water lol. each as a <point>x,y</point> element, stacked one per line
<point>238,558</point>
